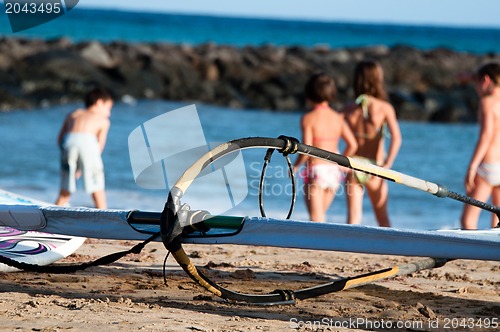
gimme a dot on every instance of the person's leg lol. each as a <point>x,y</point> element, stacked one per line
<point>495,200</point>
<point>316,196</point>
<point>316,203</point>
<point>99,198</point>
<point>310,197</point>
<point>328,196</point>
<point>470,214</point>
<point>354,197</point>
<point>332,178</point>
<point>64,197</point>
<point>378,192</point>
<point>69,159</point>
<point>92,169</point>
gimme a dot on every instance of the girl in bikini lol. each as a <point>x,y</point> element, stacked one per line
<point>322,127</point>
<point>372,118</point>
<point>483,174</point>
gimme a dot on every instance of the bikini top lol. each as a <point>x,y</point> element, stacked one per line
<point>363,100</point>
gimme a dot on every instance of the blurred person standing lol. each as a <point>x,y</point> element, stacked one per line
<point>81,140</point>
<point>372,119</point>
<point>322,127</point>
<point>483,174</point>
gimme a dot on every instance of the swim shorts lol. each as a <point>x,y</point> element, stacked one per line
<point>490,172</point>
<point>81,152</point>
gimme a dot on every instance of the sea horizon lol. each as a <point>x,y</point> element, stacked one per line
<point>292,19</point>
<point>106,25</point>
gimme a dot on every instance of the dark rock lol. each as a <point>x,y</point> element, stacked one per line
<point>96,54</point>
<point>408,107</point>
<point>422,85</point>
<point>9,102</point>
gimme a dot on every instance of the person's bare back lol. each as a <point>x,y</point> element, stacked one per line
<point>491,112</point>
<point>89,121</point>
<point>370,129</point>
<point>325,128</point>
<point>83,121</point>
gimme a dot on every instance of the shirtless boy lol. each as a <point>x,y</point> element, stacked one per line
<point>82,139</point>
<point>483,175</point>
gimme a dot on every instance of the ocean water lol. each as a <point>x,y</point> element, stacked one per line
<point>434,152</point>
<point>109,25</point>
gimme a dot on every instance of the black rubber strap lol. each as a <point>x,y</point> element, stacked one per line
<point>56,269</point>
<point>291,145</point>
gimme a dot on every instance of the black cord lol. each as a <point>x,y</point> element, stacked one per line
<point>165,269</point>
<point>291,147</point>
<point>60,269</point>
<point>294,189</point>
<point>267,159</point>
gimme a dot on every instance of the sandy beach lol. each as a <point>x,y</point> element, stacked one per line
<point>130,295</point>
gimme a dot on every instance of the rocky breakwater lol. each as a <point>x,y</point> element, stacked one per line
<point>423,85</point>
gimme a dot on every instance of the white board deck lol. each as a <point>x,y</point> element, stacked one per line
<point>114,224</point>
<point>31,247</point>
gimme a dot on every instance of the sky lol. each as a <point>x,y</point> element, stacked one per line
<point>477,13</point>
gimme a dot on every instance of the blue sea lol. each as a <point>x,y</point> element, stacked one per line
<point>434,152</point>
<point>109,25</point>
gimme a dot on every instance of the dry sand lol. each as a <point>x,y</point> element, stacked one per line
<point>130,295</point>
